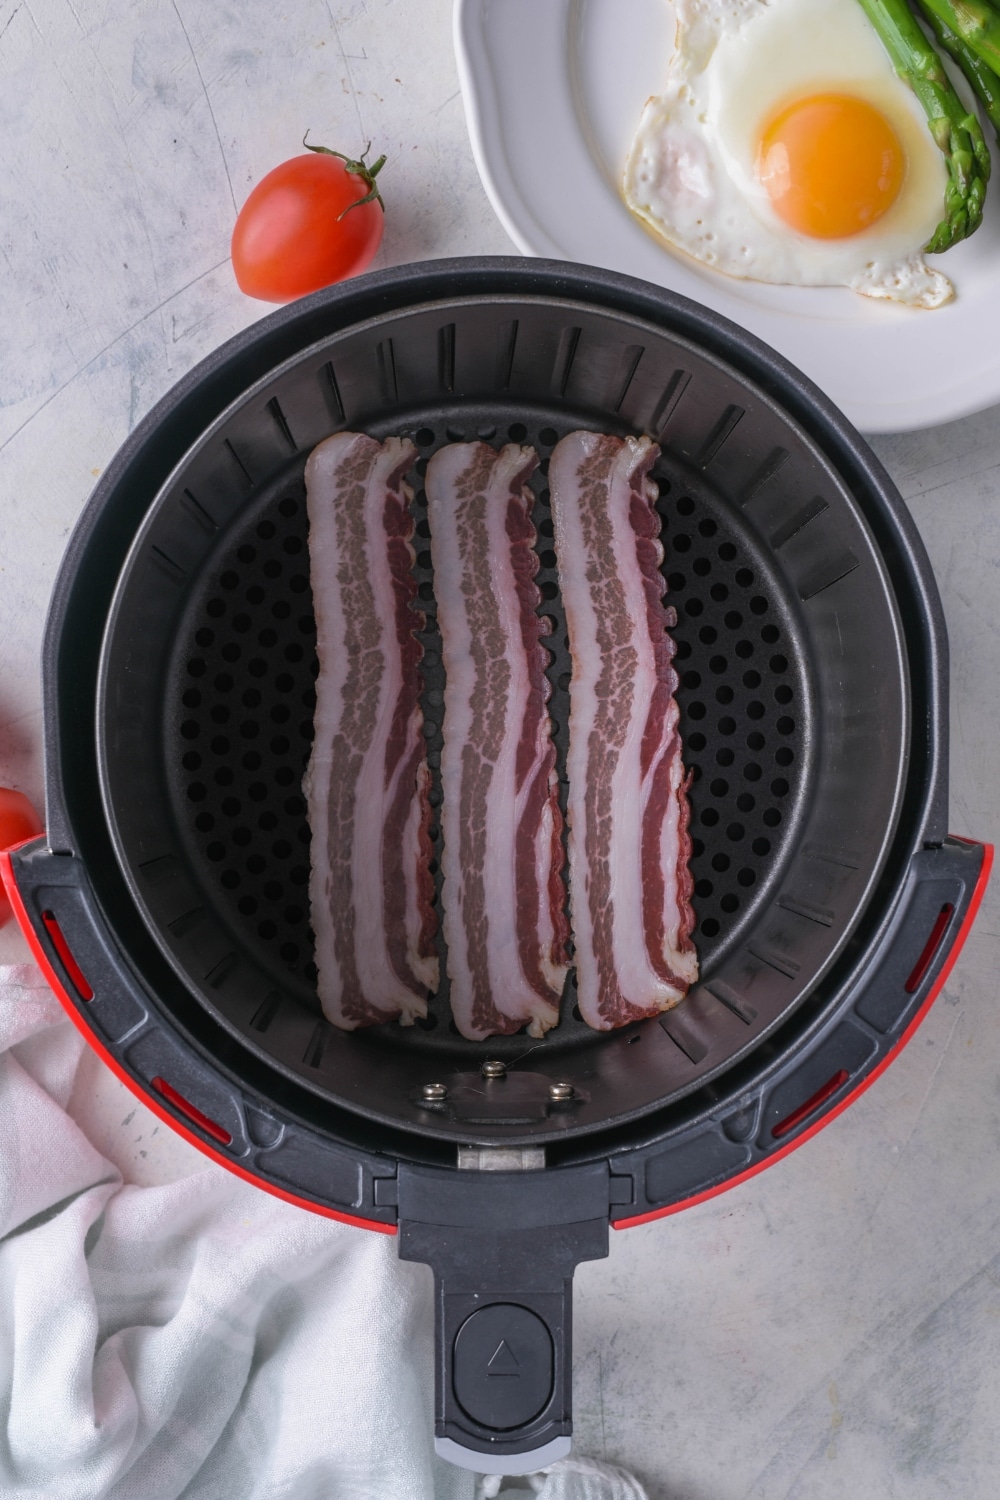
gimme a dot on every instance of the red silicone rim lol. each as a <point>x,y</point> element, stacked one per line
<point>169,1118</point>
<point>865,1083</point>
<point>150,1100</point>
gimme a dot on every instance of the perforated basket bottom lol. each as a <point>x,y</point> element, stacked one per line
<point>239,711</point>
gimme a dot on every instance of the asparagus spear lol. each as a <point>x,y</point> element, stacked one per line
<point>957,133</point>
<point>983,81</point>
<point>974,22</point>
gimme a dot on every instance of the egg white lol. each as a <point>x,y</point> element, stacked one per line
<point>691,173</point>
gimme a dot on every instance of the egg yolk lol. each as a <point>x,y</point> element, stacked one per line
<point>832,165</point>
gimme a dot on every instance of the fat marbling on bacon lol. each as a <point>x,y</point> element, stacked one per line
<point>629,846</point>
<point>503,893</point>
<point>367,784</point>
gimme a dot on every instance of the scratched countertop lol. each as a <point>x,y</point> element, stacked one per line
<point>830,1328</point>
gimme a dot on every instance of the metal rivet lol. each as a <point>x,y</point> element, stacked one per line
<point>434,1092</point>
<point>560,1091</point>
<point>492,1068</point>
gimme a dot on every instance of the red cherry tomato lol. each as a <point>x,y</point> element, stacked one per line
<point>310,222</point>
<point>18,821</point>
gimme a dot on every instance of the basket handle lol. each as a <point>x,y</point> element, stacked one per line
<point>503,1247</point>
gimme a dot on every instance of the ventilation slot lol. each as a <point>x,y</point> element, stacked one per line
<point>313,1057</point>
<point>923,963</point>
<point>333,392</point>
<point>788,1124</point>
<point>630,360</point>
<point>668,402</point>
<point>680,1033</point>
<point>156,869</point>
<point>238,461</point>
<point>281,423</point>
<point>221,971</point>
<point>73,971</point>
<point>387,371</point>
<point>210,1127</point>
<point>166,565</point>
<point>768,469</point>
<point>565,355</point>
<point>797,521</point>
<point>266,1012</point>
<point>446,357</point>
<point>198,513</point>
<point>505,354</point>
<point>846,858</point>
<point>733,1001</point>
<point>777,961</point>
<point>827,574</point>
<point>822,915</point>
<point>182,925</point>
<point>720,434</point>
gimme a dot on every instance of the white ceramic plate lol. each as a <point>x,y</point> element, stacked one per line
<point>553,90</point>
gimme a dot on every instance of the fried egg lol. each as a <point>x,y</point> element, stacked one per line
<point>784,148</point>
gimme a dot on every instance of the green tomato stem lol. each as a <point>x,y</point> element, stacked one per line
<point>357,169</point>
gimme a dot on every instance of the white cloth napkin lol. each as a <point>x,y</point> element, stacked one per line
<point>201,1340</point>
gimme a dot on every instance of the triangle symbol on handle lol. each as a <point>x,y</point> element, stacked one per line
<point>503,1360</point>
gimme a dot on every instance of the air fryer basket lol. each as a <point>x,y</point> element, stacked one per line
<point>170,900</point>
<point>794,698</point>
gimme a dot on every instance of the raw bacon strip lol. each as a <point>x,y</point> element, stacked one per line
<point>367,784</point>
<point>630,888</point>
<point>503,892</point>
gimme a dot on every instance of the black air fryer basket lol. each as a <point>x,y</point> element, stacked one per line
<point>168,899</point>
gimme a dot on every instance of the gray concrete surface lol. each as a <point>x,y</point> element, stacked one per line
<point>829,1329</point>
